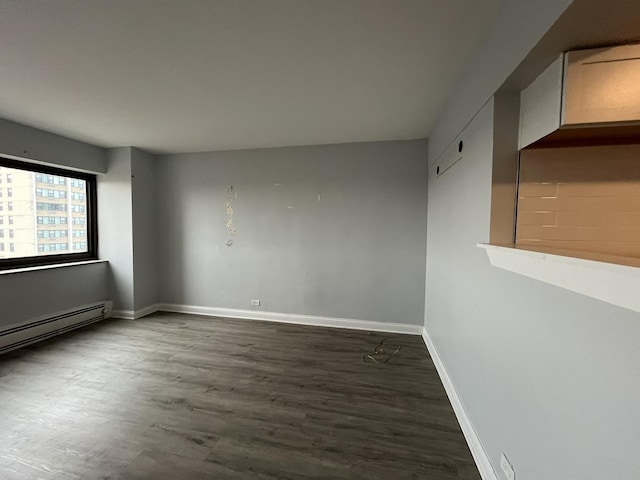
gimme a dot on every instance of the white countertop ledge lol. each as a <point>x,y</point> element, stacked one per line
<point>609,282</point>
<point>12,271</point>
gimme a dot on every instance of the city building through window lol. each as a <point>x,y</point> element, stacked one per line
<point>45,204</point>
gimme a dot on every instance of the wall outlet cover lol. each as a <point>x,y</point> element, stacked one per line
<point>255,303</point>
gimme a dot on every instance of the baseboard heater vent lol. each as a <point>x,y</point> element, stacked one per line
<point>41,328</point>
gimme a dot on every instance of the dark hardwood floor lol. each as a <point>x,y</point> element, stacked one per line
<point>185,397</point>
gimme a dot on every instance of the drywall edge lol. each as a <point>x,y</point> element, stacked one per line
<point>608,282</point>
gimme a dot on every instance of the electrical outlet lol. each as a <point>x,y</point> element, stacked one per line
<point>255,303</point>
<point>507,468</point>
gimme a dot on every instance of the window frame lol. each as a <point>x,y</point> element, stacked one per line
<point>91,226</point>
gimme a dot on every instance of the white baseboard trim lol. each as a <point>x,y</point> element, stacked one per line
<point>135,315</point>
<point>470,434</point>
<point>143,312</point>
<point>387,327</point>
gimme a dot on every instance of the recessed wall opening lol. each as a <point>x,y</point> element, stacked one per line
<point>581,201</point>
<point>576,165</point>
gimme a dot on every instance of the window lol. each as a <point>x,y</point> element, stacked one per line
<point>52,233</point>
<point>53,247</point>
<point>62,207</point>
<point>44,215</point>
<point>52,220</point>
<point>49,192</point>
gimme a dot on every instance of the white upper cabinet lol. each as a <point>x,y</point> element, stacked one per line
<point>602,86</point>
<point>540,105</point>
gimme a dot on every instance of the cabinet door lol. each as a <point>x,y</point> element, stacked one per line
<point>602,85</point>
<point>540,105</point>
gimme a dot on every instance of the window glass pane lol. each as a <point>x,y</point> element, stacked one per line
<point>47,212</point>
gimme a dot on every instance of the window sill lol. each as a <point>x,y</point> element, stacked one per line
<point>611,283</point>
<point>49,267</point>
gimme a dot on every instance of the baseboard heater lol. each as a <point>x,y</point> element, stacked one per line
<point>41,328</point>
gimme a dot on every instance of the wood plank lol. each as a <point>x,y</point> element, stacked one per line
<point>189,397</point>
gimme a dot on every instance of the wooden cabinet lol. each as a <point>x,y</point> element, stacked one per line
<point>579,179</point>
<point>580,90</point>
<point>602,86</point>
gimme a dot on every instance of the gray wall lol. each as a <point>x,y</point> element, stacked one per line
<point>519,26</point>
<point>125,192</point>
<point>144,204</point>
<point>115,226</point>
<point>357,253</point>
<point>25,295</point>
<point>547,376</point>
<point>127,225</point>
<point>39,146</point>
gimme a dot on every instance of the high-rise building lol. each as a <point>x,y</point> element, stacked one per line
<point>41,214</point>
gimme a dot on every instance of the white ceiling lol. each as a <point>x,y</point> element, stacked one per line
<point>198,75</point>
